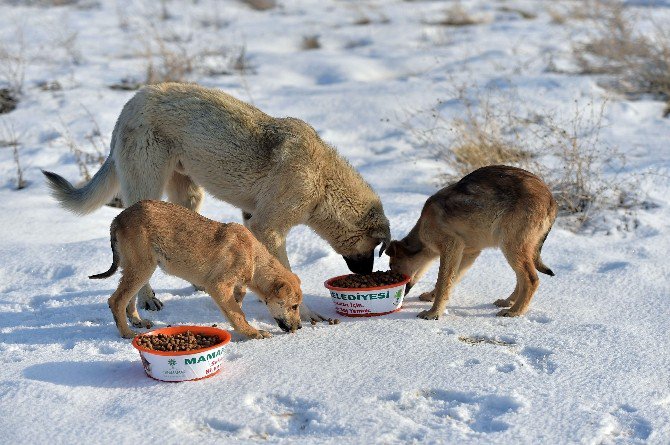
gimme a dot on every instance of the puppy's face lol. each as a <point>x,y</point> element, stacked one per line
<point>408,258</point>
<point>284,304</point>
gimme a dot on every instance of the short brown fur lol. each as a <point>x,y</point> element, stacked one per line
<point>494,206</point>
<point>217,257</point>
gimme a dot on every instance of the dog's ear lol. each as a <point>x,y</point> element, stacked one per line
<point>393,249</point>
<point>382,236</point>
<point>403,248</point>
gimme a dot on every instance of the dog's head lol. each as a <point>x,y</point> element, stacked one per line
<point>284,303</point>
<point>409,257</point>
<point>370,231</point>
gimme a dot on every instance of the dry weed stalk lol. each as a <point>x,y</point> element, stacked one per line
<point>638,64</point>
<point>457,15</point>
<point>260,5</point>
<point>310,42</point>
<point>83,158</point>
<point>11,139</point>
<point>13,61</point>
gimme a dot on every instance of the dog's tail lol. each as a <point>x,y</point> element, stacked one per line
<point>98,191</point>
<point>115,256</point>
<point>539,265</point>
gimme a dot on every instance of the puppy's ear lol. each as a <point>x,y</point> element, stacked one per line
<point>394,249</point>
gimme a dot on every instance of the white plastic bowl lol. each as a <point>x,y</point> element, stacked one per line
<point>367,301</point>
<point>183,365</point>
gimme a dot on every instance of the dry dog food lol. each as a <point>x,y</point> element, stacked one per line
<point>186,341</point>
<point>374,279</point>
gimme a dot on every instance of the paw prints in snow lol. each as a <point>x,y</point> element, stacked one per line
<point>539,359</point>
<point>283,416</point>
<point>463,411</point>
<point>623,424</point>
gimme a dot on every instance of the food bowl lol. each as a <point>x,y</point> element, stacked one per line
<point>367,301</point>
<point>178,366</point>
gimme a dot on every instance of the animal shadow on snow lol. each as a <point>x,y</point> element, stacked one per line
<point>97,374</point>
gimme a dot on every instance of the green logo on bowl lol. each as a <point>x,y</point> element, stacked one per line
<point>172,362</point>
<point>398,296</point>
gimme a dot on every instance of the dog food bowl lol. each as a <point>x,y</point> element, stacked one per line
<point>179,366</point>
<point>367,301</point>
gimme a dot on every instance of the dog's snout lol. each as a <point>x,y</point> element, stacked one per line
<point>286,327</point>
<point>361,264</point>
<point>282,324</point>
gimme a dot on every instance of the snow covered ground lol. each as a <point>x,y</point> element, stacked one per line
<point>589,363</point>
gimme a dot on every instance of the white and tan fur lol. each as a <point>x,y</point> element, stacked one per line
<point>495,206</point>
<point>183,138</point>
<point>212,255</point>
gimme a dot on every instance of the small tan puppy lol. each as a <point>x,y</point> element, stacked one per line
<point>212,255</point>
<point>495,206</point>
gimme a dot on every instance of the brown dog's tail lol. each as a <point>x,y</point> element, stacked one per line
<point>115,257</point>
<point>539,265</point>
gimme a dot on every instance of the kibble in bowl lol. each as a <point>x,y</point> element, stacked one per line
<point>378,293</point>
<point>180,353</point>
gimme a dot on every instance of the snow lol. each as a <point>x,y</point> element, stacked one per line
<point>588,363</point>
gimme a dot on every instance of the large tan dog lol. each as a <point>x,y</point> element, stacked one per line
<point>212,255</point>
<point>181,137</point>
<point>494,206</point>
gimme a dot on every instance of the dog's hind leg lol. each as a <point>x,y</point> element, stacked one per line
<point>131,282</point>
<point>222,293</point>
<point>521,260</point>
<point>144,179</point>
<point>183,191</point>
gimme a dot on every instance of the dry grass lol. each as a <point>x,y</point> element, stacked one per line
<point>260,5</point>
<point>310,42</point>
<point>568,154</point>
<point>9,138</point>
<point>457,15</point>
<point>167,61</point>
<point>480,141</point>
<point>636,64</point>
<point>527,15</point>
<point>13,63</point>
<point>85,159</point>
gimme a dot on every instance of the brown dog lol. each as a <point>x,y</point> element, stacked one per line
<point>495,206</point>
<point>212,255</point>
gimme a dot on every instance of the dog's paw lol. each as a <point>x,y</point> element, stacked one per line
<point>427,296</point>
<point>260,334</point>
<point>508,313</point>
<point>503,303</point>
<point>428,315</point>
<point>152,304</point>
<point>129,334</point>
<point>142,323</point>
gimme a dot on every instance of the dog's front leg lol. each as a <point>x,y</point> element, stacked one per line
<point>134,316</point>
<point>224,297</point>
<point>450,260</point>
<point>275,242</point>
